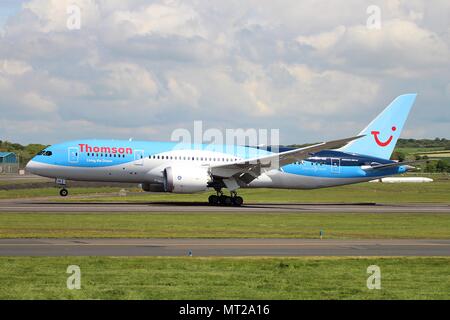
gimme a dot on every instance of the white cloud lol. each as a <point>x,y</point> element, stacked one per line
<point>184,92</point>
<point>14,67</point>
<point>53,15</point>
<point>323,40</point>
<point>162,19</point>
<point>397,43</point>
<point>310,68</point>
<point>128,80</point>
<point>37,103</point>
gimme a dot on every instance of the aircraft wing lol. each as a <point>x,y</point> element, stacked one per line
<point>247,170</point>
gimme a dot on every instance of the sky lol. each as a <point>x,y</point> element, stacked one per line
<point>8,8</point>
<point>312,69</point>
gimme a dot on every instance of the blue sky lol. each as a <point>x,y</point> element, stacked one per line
<point>8,8</point>
<point>142,69</point>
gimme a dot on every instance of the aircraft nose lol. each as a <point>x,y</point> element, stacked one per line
<point>32,167</point>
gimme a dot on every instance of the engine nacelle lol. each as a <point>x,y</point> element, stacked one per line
<point>186,179</point>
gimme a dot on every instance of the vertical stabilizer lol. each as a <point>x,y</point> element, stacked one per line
<point>381,135</point>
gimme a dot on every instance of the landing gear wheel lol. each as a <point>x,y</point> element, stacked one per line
<point>238,201</point>
<point>228,201</point>
<point>213,200</point>
<point>223,199</point>
<point>63,192</point>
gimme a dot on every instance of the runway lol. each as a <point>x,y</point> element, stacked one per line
<point>217,247</point>
<point>222,247</point>
<point>177,207</point>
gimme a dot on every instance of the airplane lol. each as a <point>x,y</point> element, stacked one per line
<point>189,168</point>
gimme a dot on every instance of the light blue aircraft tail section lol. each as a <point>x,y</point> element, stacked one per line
<point>381,135</point>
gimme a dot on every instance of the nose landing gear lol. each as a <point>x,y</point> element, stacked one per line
<point>63,192</point>
<point>223,200</point>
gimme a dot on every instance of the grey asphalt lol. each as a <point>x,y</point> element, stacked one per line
<point>177,207</point>
<point>217,247</point>
<point>222,247</point>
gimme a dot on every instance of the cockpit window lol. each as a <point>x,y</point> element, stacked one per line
<point>45,153</point>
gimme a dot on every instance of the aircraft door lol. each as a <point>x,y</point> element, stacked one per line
<point>335,165</point>
<point>73,154</point>
<point>139,157</point>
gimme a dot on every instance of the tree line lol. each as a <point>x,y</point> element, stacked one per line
<point>23,153</point>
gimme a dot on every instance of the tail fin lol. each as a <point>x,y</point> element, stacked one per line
<point>381,135</point>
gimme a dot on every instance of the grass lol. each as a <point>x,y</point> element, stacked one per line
<point>416,150</point>
<point>49,192</point>
<point>5,182</point>
<point>226,225</point>
<point>436,192</point>
<point>224,278</point>
<point>438,155</point>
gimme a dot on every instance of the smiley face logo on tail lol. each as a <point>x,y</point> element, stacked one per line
<point>383,143</point>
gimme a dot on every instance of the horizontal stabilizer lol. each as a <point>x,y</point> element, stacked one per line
<point>407,164</point>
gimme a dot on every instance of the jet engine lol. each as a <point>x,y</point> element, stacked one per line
<point>186,179</point>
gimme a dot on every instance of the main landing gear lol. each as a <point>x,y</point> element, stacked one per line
<point>222,200</point>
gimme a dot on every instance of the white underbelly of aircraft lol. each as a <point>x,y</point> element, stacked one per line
<point>146,173</point>
<point>282,180</point>
<point>118,173</point>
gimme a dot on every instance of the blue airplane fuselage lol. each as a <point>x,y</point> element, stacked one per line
<point>144,162</point>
